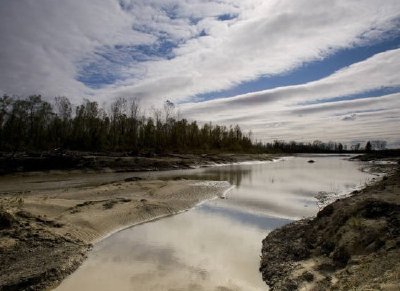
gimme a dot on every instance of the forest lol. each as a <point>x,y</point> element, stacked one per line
<point>34,124</point>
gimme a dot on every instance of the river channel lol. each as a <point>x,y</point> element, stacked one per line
<point>216,245</point>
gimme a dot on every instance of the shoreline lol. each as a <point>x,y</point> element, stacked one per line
<point>117,162</point>
<point>68,237</point>
<point>45,234</point>
<point>153,219</point>
<point>353,242</point>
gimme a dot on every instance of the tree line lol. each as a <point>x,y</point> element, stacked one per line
<point>318,146</point>
<point>34,124</point>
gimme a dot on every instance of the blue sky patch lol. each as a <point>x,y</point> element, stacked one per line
<point>172,11</point>
<point>308,72</point>
<point>372,93</point>
<point>228,16</point>
<point>108,64</point>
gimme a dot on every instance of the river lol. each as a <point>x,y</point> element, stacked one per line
<point>217,244</point>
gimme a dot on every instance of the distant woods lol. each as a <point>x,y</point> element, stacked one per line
<point>33,124</point>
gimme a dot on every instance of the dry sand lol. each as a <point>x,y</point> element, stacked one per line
<point>54,228</point>
<point>93,212</point>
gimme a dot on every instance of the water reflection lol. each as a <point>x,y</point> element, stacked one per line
<point>215,246</point>
<point>233,174</point>
<point>242,216</point>
<point>191,251</point>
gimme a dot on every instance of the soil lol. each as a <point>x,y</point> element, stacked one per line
<point>352,244</point>
<point>32,257</point>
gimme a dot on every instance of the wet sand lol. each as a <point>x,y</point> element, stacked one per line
<point>91,213</point>
<point>45,233</point>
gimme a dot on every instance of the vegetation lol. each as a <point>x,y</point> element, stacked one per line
<point>33,124</point>
<point>299,147</point>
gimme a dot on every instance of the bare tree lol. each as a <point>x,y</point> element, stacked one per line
<point>368,146</point>
<point>355,147</point>
<point>134,108</point>
<point>378,145</point>
<point>63,107</point>
<point>169,110</point>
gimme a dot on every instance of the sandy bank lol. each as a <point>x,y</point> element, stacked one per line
<point>45,234</point>
<point>352,244</point>
<point>116,162</point>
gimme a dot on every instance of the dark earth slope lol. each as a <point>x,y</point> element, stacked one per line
<point>352,244</point>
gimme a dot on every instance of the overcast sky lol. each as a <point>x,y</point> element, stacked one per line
<point>293,70</point>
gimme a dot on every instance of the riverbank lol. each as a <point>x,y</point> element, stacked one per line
<point>353,243</point>
<point>53,206</point>
<point>45,233</point>
<point>117,162</point>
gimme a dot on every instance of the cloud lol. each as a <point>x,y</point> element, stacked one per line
<point>266,38</point>
<point>60,47</point>
<point>43,42</point>
<point>357,78</point>
<point>350,117</point>
<point>302,112</point>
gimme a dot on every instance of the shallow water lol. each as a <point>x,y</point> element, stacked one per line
<point>216,245</point>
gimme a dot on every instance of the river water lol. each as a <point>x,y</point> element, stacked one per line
<point>216,245</point>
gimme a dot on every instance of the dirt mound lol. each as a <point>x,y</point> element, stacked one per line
<point>25,248</point>
<point>352,243</point>
<point>6,220</point>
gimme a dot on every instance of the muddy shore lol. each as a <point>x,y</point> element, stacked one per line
<point>116,162</point>
<point>352,244</point>
<point>49,220</point>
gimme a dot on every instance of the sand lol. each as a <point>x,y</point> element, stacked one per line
<point>94,212</point>
<point>53,227</point>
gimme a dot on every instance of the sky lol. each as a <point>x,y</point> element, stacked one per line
<point>292,70</point>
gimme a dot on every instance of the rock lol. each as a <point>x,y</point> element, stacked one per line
<point>340,257</point>
<point>25,214</point>
<point>307,276</point>
<point>109,204</point>
<point>374,209</point>
<point>133,179</point>
<point>7,220</point>
<point>311,161</point>
<point>326,211</point>
<point>327,247</point>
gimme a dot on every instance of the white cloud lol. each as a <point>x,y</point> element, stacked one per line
<point>286,112</point>
<point>374,73</point>
<point>44,42</point>
<point>268,37</point>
